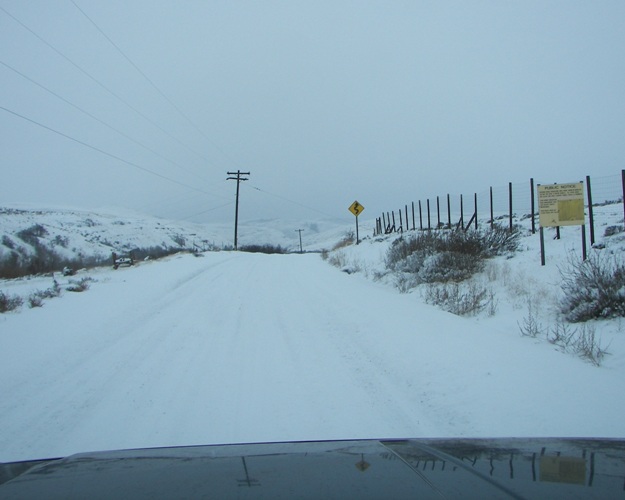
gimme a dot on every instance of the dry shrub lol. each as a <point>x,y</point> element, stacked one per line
<point>594,288</point>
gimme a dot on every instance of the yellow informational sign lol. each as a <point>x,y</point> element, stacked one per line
<point>570,470</point>
<point>356,208</point>
<point>561,204</point>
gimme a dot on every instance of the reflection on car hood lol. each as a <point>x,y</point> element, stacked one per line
<point>413,468</point>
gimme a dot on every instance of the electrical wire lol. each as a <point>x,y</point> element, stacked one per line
<point>100,121</point>
<point>95,80</point>
<point>287,200</point>
<point>111,155</point>
<point>209,210</point>
<point>154,86</point>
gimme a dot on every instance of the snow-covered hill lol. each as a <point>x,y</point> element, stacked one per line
<point>61,236</point>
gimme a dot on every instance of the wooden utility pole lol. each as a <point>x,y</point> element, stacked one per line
<point>238,178</point>
<point>301,250</point>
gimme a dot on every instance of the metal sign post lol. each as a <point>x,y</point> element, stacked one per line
<point>356,208</point>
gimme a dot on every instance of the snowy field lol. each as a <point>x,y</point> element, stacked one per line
<point>232,347</point>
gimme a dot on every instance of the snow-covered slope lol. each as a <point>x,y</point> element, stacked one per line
<point>64,235</point>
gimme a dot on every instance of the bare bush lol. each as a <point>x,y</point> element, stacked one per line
<point>457,298</point>
<point>36,298</point>
<point>612,230</point>
<point>587,346</point>
<point>267,248</point>
<point>337,259</point>
<point>348,239</point>
<point>449,256</point>
<point>581,341</point>
<point>79,286</point>
<point>404,282</point>
<point>9,302</point>
<point>562,335</point>
<point>594,288</point>
<point>530,327</point>
<point>500,240</point>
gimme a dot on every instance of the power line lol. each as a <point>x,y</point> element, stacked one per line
<point>94,79</point>
<point>154,86</point>
<point>208,210</point>
<point>147,170</point>
<point>291,201</point>
<point>99,120</point>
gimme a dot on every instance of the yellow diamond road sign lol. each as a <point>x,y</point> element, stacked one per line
<point>356,208</point>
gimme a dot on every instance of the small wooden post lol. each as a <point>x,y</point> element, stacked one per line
<point>438,213</point>
<point>590,214</point>
<point>407,223</point>
<point>510,203</point>
<point>623,182</point>
<point>461,213</point>
<point>492,214</point>
<point>532,203</point>
<point>429,224</point>
<point>448,212</point>
<point>475,203</point>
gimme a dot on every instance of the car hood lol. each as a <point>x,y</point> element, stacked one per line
<point>407,468</point>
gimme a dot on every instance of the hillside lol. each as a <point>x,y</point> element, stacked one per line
<point>34,240</point>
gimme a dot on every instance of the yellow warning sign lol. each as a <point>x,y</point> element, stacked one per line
<point>356,208</point>
<point>561,204</point>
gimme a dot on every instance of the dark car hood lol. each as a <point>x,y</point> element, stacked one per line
<point>413,468</point>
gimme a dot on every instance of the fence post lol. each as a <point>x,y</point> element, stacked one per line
<point>461,213</point>
<point>413,226</point>
<point>590,214</point>
<point>384,222</point>
<point>394,227</point>
<point>510,203</point>
<point>532,202</point>
<point>401,223</point>
<point>407,223</point>
<point>623,182</point>
<point>438,213</point>
<point>492,215</point>
<point>429,224</point>
<point>420,217</point>
<point>475,203</point>
<point>448,212</point>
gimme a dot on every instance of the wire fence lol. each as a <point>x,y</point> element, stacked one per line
<point>512,202</point>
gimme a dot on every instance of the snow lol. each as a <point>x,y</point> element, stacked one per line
<point>231,347</point>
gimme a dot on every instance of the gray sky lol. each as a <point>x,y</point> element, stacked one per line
<point>323,102</point>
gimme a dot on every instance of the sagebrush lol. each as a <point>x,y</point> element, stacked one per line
<point>9,302</point>
<point>594,288</point>
<point>448,256</point>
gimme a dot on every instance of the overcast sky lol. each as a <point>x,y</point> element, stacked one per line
<point>324,102</point>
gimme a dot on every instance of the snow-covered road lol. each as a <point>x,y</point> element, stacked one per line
<point>235,347</point>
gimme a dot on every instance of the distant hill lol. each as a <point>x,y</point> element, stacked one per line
<point>35,240</point>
